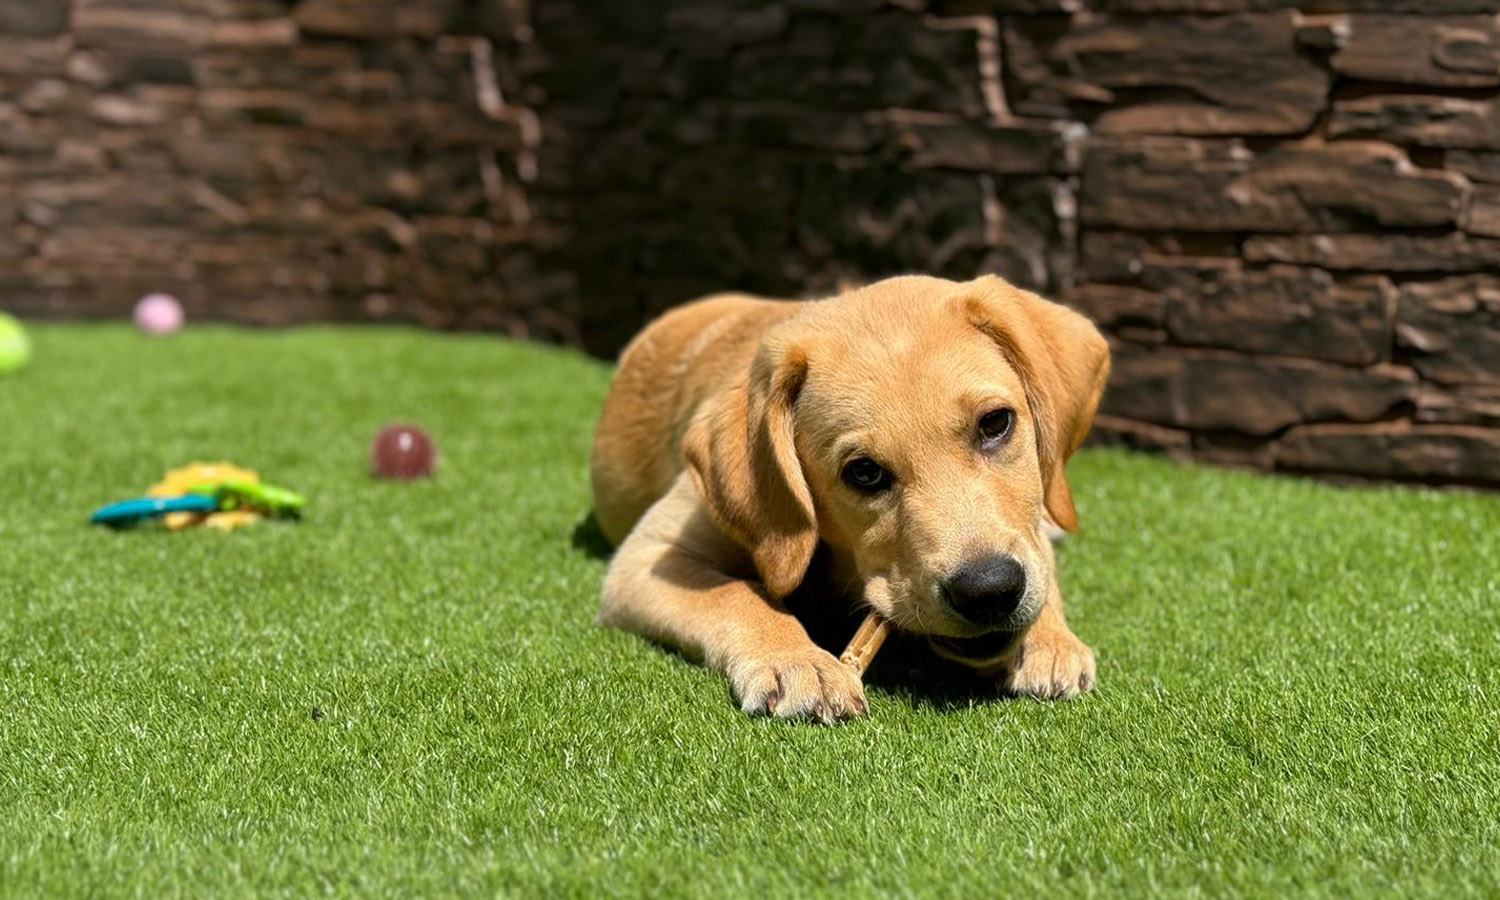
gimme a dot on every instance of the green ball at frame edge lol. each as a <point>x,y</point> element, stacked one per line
<point>15,349</point>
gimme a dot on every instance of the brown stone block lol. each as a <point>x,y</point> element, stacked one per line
<point>1451,328</point>
<point>1420,119</point>
<point>430,182</point>
<point>1323,33</point>
<point>231,159</point>
<point>127,26</point>
<point>35,18</point>
<point>869,62</point>
<point>1422,452</point>
<point>1371,181</point>
<point>1378,252</point>
<point>1164,183</point>
<point>1428,7</point>
<point>1112,256</point>
<point>1113,431</point>
<point>1445,51</point>
<point>376,19</point>
<point>413,70</point>
<point>419,122</point>
<point>1209,390</point>
<point>228,10</point>
<point>127,66</point>
<point>126,111</point>
<point>1005,7</point>
<point>1425,7</point>
<point>1286,310</point>
<point>1483,213</point>
<point>27,139</point>
<point>1121,256</point>
<point>233,107</point>
<point>1233,74</point>
<point>1187,184</point>
<point>120,200</point>
<point>34,57</point>
<point>1477,165</point>
<point>1114,306</point>
<point>932,140</point>
<point>72,160</point>
<point>1469,404</point>
<point>268,32</point>
<point>317,69</point>
<point>141,245</point>
<point>1222,448</point>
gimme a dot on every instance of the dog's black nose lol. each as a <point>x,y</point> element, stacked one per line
<point>988,590</point>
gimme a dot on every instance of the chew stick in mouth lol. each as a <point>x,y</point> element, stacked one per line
<point>866,642</point>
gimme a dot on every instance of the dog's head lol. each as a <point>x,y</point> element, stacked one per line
<point>921,427</point>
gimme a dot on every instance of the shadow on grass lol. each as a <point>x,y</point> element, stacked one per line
<point>590,539</point>
<point>906,667</point>
<point>908,670</point>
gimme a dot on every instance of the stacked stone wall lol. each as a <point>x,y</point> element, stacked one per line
<point>1285,213</point>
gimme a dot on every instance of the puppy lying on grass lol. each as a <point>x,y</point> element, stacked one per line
<point>917,427</point>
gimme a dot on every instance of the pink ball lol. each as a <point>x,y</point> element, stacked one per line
<point>158,314</point>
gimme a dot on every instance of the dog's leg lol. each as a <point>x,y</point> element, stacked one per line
<point>1050,662</point>
<point>678,580</point>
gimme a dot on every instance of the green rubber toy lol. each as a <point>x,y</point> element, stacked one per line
<point>263,498</point>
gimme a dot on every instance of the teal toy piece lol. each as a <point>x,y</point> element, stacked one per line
<point>129,512</point>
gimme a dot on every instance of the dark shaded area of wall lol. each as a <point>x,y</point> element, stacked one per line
<point>1286,214</point>
<point>272,162</point>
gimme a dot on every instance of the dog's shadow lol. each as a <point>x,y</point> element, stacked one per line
<point>589,538</point>
<point>906,667</point>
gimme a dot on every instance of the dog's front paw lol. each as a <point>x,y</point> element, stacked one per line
<point>1052,665</point>
<point>796,683</point>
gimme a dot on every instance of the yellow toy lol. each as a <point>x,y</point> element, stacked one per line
<point>180,481</point>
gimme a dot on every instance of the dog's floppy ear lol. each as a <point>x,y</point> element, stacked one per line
<point>743,460</point>
<point>1064,362</point>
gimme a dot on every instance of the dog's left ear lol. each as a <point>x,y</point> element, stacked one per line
<point>1064,362</point>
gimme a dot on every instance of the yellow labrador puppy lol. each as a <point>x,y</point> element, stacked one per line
<point>918,428</point>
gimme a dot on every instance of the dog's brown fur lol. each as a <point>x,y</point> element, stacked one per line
<point>717,462</point>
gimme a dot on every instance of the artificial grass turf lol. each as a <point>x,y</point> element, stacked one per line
<point>405,693</point>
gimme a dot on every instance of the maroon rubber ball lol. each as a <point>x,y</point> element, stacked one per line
<point>403,452</point>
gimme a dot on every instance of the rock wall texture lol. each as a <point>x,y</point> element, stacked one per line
<point>272,161</point>
<point>1286,213</point>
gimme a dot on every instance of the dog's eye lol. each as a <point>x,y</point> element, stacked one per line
<point>866,476</point>
<point>995,426</point>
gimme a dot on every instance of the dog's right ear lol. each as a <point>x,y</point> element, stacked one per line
<point>742,458</point>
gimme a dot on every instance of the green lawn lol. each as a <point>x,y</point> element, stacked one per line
<point>405,694</point>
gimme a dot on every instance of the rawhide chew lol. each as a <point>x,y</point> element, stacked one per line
<point>866,642</point>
